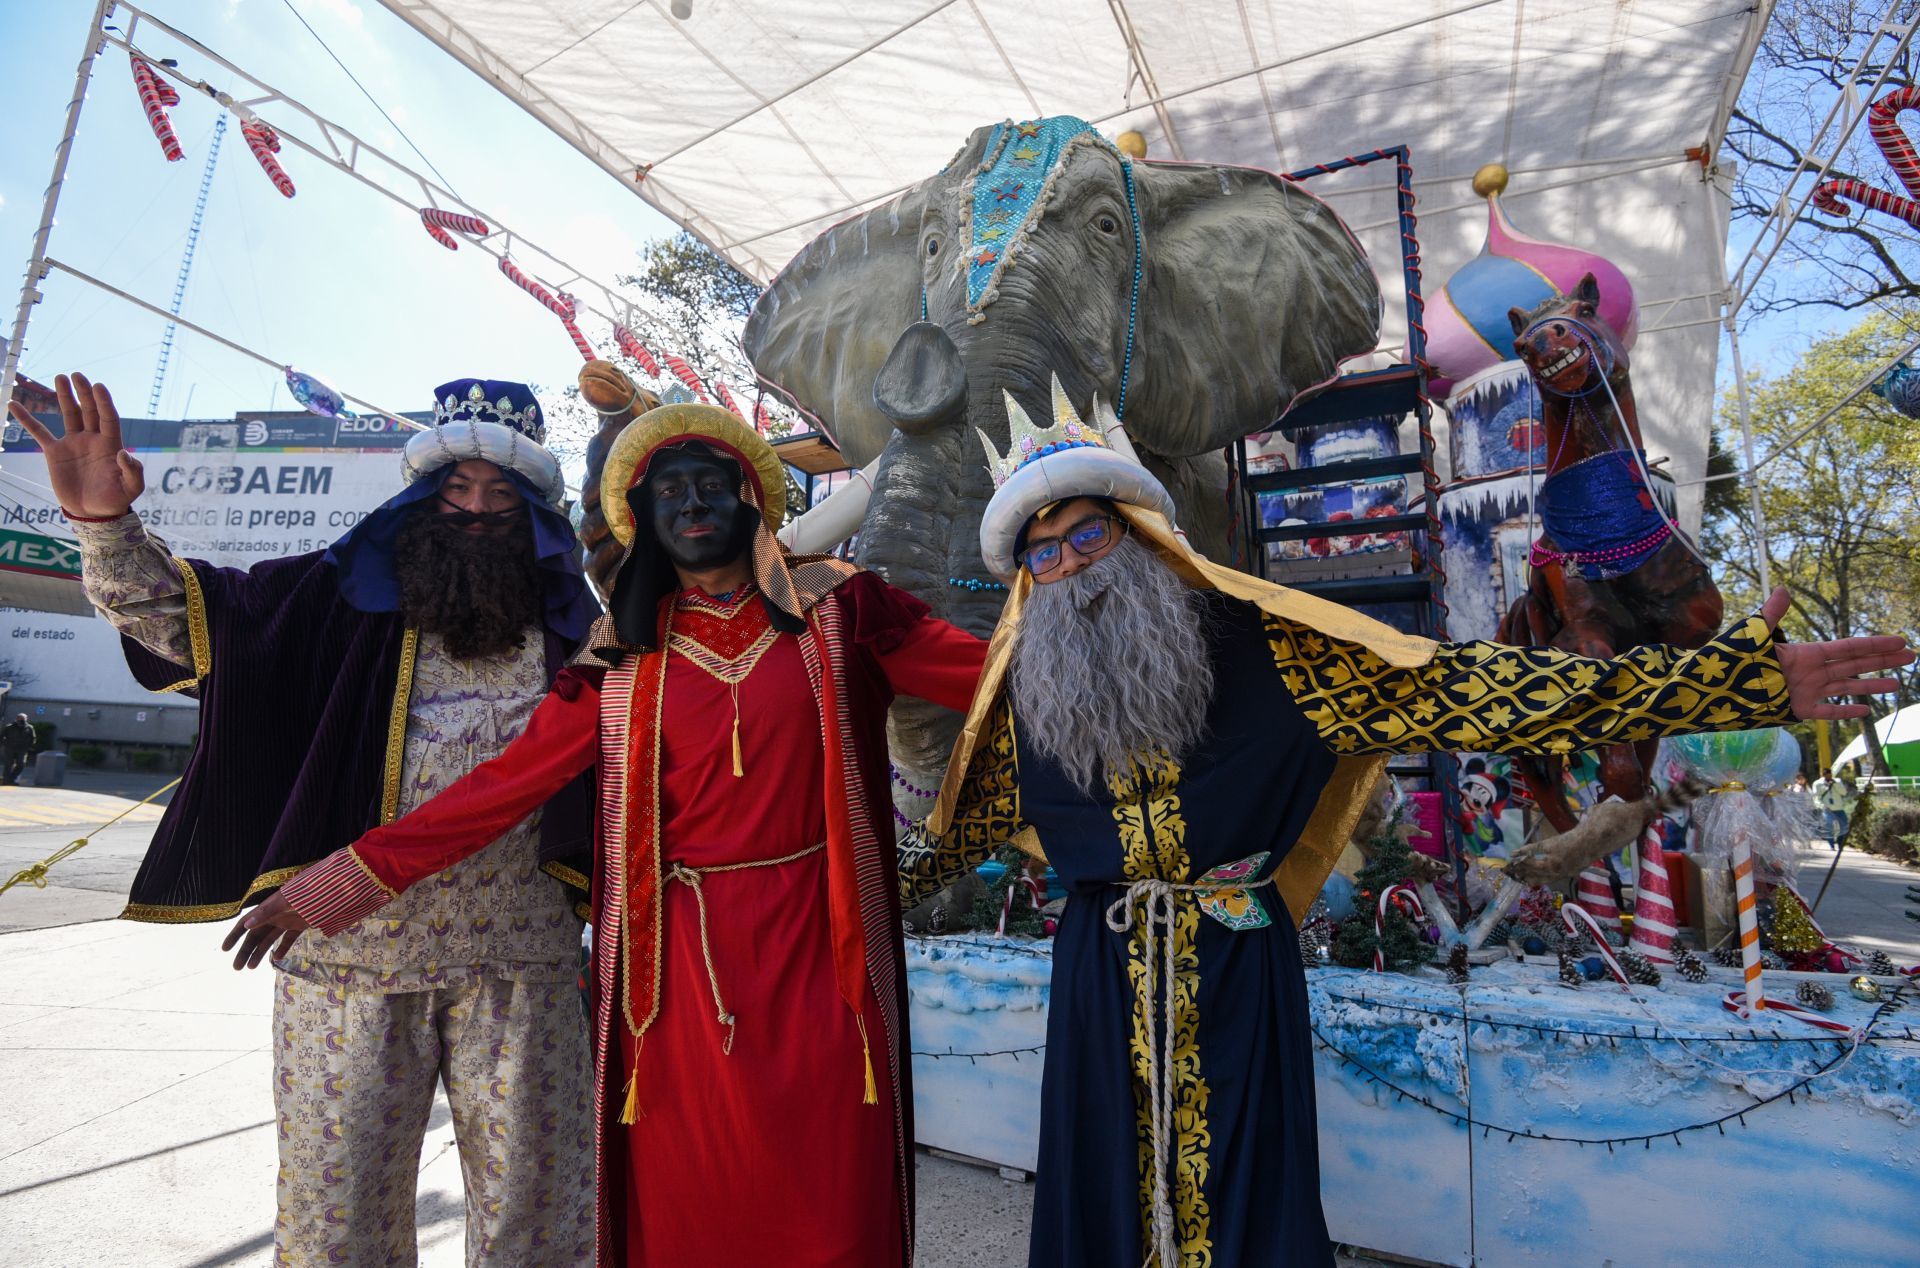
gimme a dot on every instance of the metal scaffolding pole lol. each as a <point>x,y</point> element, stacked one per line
<point>1760,552</point>
<point>37,262</point>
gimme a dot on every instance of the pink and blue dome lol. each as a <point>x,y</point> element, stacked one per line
<point>1467,325</point>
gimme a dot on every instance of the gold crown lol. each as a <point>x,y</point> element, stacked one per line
<point>1028,443</point>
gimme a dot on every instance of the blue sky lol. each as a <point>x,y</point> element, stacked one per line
<point>338,280</point>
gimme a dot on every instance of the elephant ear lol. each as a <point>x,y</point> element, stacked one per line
<point>1255,295</point>
<point>820,332</point>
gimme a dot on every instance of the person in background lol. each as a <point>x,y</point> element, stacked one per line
<point>16,745</point>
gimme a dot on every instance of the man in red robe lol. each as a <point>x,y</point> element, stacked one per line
<point>752,1097</point>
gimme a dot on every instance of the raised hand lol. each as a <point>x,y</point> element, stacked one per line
<point>91,472</point>
<point>1819,672</point>
<point>273,922</point>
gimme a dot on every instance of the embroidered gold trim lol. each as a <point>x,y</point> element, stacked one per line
<point>699,601</point>
<point>568,876</point>
<point>198,638</point>
<point>361,863</point>
<point>731,672</point>
<point>161,914</point>
<point>397,726</point>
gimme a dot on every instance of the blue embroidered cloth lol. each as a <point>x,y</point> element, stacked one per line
<point>1602,507</point>
<point>1020,156</point>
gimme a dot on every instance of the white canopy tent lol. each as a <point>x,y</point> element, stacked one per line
<point>758,124</point>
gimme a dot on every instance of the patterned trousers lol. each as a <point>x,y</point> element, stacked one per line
<point>354,1078</point>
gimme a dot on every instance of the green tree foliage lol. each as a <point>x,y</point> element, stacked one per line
<point>1389,863</point>
<point>1840,494</point>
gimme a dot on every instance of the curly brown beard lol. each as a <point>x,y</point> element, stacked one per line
<point>479,591</point>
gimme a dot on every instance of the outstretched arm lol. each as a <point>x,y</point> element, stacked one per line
<point>1536,700</point>
<point>353,883</point>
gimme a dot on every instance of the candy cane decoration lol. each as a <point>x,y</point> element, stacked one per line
<point>1883,125</point>
<point>438,223</point>
<point>684,372</point>
<point>726,399</point>
<point>1006,904</point>
<point>156,94</point>
<point>1756,996</point>
<point>1403,897</point>
<point>1594,892</point>
<point>1653,916</point>
<point>265,143</point>
<point>631,345</point>
<point>762,417</point>
<point>1736,1002</point>
<point>1574,915</point>
<point>561,306</point>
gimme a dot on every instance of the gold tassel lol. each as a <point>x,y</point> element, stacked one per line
<point>632,1108</point>
<point>873,1092</point>
<point>739,769</point>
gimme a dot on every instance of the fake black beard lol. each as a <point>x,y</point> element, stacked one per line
<point>479,591</point>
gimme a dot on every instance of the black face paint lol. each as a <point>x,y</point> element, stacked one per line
<point>693,497</point>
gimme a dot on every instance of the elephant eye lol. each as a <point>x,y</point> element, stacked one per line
<point>1107,225</point>
<point>933,246</point>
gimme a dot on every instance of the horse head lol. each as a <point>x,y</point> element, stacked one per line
<point>1567,346</point>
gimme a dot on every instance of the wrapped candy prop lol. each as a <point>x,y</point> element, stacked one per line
<point>316,396</point>
<point>1744,769</point>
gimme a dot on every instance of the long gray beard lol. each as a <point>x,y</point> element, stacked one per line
<point>1111,663</point>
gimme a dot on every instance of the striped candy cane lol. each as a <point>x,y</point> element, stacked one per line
<point>1653,917</point>
<point>438,223</point>
<point>727,399</point>
<point>684,372</point>
<point>156,94</point>
<point>265,143</point>
<point>631,345</point>
<point>762,417</point>
<point>1594,892</point>
<point>1403,897</point>
<point>1573,915</point>
<point>1736,1002</point>
<point>1883,125</point>
<point>1756,996</point>
<point>561,306</point>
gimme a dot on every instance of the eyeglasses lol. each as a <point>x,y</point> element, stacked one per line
<point>1088,538</point>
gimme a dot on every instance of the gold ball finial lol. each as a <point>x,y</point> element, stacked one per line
<point>1490,180</point>
<point>1132,144</point>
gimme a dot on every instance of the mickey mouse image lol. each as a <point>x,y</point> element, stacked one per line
<point>1483,799</point>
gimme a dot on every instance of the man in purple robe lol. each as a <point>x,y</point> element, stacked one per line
<point>338,690</point>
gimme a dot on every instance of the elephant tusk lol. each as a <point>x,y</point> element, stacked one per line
<point>836,518</point>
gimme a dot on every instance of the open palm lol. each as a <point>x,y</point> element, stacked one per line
<point>91,472</point>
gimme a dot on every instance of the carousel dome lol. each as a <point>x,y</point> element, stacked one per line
<point>1467,325</point>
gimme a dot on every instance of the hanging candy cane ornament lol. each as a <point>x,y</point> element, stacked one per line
<point>631,345</point>
<point>265,143</point>
<point>1573,915</point>
<point>442,225</point>
<point>1653,916</point>
<point>156,94</point>
<point>1883,125</point>
<point>561,307</point>
<point>684,372</point>
<point>727,399</point>
<point>1403,897</point>
<point>762,417</point>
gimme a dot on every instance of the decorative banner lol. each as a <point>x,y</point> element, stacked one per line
<point>684,372</point>
<point>561,307</point>
<point>265,143</point>
<point>631,345</point>
<point>156,94</point>
<point>1883,125</point>
<point>316,396</point>
<point>438,223</point>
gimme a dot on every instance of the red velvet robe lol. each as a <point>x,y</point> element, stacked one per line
<point>766,1153</point>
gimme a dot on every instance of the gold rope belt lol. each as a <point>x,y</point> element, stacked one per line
<point>1156,899</point>
<point>692,877</point>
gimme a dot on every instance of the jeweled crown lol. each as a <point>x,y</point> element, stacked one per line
<point>491,401</point>
<point>1028,443</point>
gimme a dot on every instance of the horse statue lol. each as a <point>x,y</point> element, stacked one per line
<point>1610,571</point>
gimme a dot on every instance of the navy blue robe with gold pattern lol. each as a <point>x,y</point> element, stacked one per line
<point>1292,707</point>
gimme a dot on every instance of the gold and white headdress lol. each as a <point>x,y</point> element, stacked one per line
<point>1068,458</point>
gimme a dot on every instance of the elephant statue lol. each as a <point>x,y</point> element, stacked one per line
<point>1199,301</point>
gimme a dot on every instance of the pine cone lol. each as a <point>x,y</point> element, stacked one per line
<point>1690,967</point>
<point>1727,957</point>
<point>1457,966</point>
<point>1639,968</point>
<point>1570,974</point>
<point>1771,961</point>
<point>1310,948</point>
<point>1880,964</point>
<point>1814,996</point>
<point>1502,934</point>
